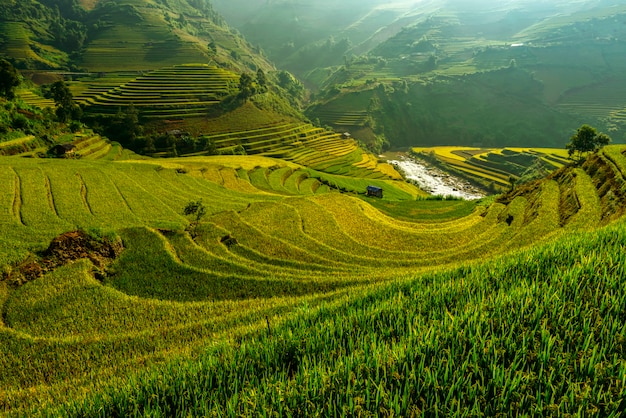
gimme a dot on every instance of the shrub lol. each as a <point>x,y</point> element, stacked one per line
<point>20,122</point>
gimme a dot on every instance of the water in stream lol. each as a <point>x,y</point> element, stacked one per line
<point>435,181</point>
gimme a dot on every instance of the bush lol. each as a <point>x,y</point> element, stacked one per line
<point>21,122</point>
<point>75,126</point>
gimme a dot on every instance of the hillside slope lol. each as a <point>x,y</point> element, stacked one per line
<point>537,332</point>
<point>109,35</point>
<point>517,75</point>
<point>275,241</point>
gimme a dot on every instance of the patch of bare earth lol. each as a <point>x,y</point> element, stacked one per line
<point>64,249</point>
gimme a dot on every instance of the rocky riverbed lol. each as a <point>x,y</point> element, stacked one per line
<point>435,181</point>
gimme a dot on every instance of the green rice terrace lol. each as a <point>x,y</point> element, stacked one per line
<point>169,93</point>
<point>499,167</point>
<point>175,95</point>
<point>85,145</point>
<point>292,293</point>
<point>187,230</point>
<point>306,145</point>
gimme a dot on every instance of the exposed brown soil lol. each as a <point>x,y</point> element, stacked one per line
<point>64,249</point>
<point>569,204</point>
<point>525,190</point>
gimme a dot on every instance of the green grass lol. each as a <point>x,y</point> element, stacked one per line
<point>425,210</point>
<point>497,165</point>
<point>169,92</point>
<point>505,337</point>
<point>372,305</point>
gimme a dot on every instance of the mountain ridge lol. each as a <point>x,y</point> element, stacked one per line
<point>127,35</point>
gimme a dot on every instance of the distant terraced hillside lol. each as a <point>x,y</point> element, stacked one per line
<point>177,92</point>
<point>307,145</point>
<point>33,99</point>
<point>175,95</point>
<point>94,147</point>
<point>140,35</point>
<point>128,35</point>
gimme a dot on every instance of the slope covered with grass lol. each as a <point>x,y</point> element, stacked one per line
<point>129,35</point>
<point>313,297</point>
<point>538,332</point>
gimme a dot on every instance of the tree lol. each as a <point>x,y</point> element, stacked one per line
<point>130,126</point>
<point>212,49</point>
<point>196,210</point>
<point>585,140</point>
<point>124,126</point>
<point>66,108</point>
<point>293,86</point>
<point>261,79</point>
<point>247,86</point>
<point>9,80</point>
<point>207,145</point>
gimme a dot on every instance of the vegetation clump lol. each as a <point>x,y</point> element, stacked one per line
<point>9,79</point>
<point>196,210</point>
<point>586,140</point>
<point>66,108</point>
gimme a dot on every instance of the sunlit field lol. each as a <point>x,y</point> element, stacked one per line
<point>269,258</point>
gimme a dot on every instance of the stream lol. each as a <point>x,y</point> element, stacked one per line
<point>435,181</point>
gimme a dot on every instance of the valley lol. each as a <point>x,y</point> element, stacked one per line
<point>288,208</point>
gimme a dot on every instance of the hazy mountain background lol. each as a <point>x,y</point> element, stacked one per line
<point>283,28</point>
<point>452,72</point>
<point>393,73</point>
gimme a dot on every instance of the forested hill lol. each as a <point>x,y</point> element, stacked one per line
<point>108,35</point>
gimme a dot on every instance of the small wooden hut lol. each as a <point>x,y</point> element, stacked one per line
<point>374,191</point>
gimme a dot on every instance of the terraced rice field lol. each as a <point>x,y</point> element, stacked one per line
<point>17,141</point>
<point>168,93</point>
<point>270,245</point>
<point>187,91</point>
<point>496,165</point>
<point>306,145</point>
<point>118,45</point>
<point>121,195</point>
<point>33,99</point>
<point>88,88</point>
<point>600,100</point>
<point>347,118</point>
